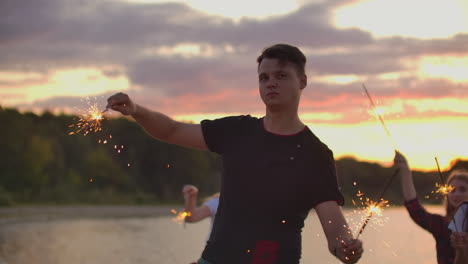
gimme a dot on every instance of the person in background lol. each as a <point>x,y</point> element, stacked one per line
<point>436,224</point>
<point>196,214</point>
<point>275,170</point>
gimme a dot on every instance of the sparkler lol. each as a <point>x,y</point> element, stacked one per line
<point>90,122</point>
<point>379,115</point>
<point>376,207</point>
<point>442,188</point>
<point>372,209</point>
<point>180,216</point>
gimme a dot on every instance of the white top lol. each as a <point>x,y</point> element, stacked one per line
<point>458,222</point>
<point>212,204</point>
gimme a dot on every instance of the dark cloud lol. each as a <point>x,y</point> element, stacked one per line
<point>177,75</point>
<point>54,33</point>
<point>22,20</point>
<point>80,32</point>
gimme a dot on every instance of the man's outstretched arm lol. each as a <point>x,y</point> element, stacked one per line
<point>159,125</point>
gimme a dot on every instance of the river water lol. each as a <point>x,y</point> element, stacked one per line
<point>135,237</point>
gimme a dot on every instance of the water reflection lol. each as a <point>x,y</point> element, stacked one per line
<point>158,239</point>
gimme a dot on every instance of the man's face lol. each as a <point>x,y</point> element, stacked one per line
<point>279,83</point>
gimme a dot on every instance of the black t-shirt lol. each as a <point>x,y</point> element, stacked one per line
<point>269,184</point>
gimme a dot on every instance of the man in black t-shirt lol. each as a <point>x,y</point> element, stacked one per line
<point>275,170</point>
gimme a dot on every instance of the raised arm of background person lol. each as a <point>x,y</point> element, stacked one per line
<point>190,193</point>
<point>159,125</point>
<point>407,184</point>
<point>339,237</point>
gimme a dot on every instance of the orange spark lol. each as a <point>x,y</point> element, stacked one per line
<point>444,189</point>
<point>180,216</point>
<point>89,122</point>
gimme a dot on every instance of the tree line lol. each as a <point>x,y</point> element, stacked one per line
<point>40,163</point>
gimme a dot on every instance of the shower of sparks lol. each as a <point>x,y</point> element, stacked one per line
<point>180,216</point>
<point>365,208</point>
<point>89,122</point>
<point>443,189</point>
<point>388,246</point>
<point>378,112</point>
<point>372,209</point>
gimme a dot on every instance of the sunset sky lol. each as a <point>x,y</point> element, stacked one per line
<point>196,59</point>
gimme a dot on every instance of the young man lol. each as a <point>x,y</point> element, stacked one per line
<point>275,170</point>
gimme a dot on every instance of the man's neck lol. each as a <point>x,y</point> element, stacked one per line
<point>281,122</point>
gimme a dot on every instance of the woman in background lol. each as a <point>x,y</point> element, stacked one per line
<point>436,224</point>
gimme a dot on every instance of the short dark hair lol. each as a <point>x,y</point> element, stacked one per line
<point>285,53</point>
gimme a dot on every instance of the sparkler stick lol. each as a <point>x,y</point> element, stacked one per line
<point>380,202</point>
<point>438,169</point>
<point>442,188</point>
<point>389,182</point>
<point>379,116</point>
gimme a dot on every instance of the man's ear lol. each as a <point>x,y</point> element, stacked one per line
<point>303,81</point>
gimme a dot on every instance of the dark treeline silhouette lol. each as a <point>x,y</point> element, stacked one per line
<point>40,163</point>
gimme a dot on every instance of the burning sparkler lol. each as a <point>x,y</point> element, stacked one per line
<point>378,112</point>
<point>442,188</point>
<point>377,206</point>
<point>90,122</point>
<point>180,216</point>
<point>373,208</point>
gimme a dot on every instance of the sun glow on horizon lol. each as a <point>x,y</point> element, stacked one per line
<point>451,67</point>
<point>188,50</point>
<point>415,18</point>
<point>419,139</point>
<point>340,79</point>
<point>65,82</point>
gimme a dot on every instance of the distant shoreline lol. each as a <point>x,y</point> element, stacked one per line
<point>50,213</point>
